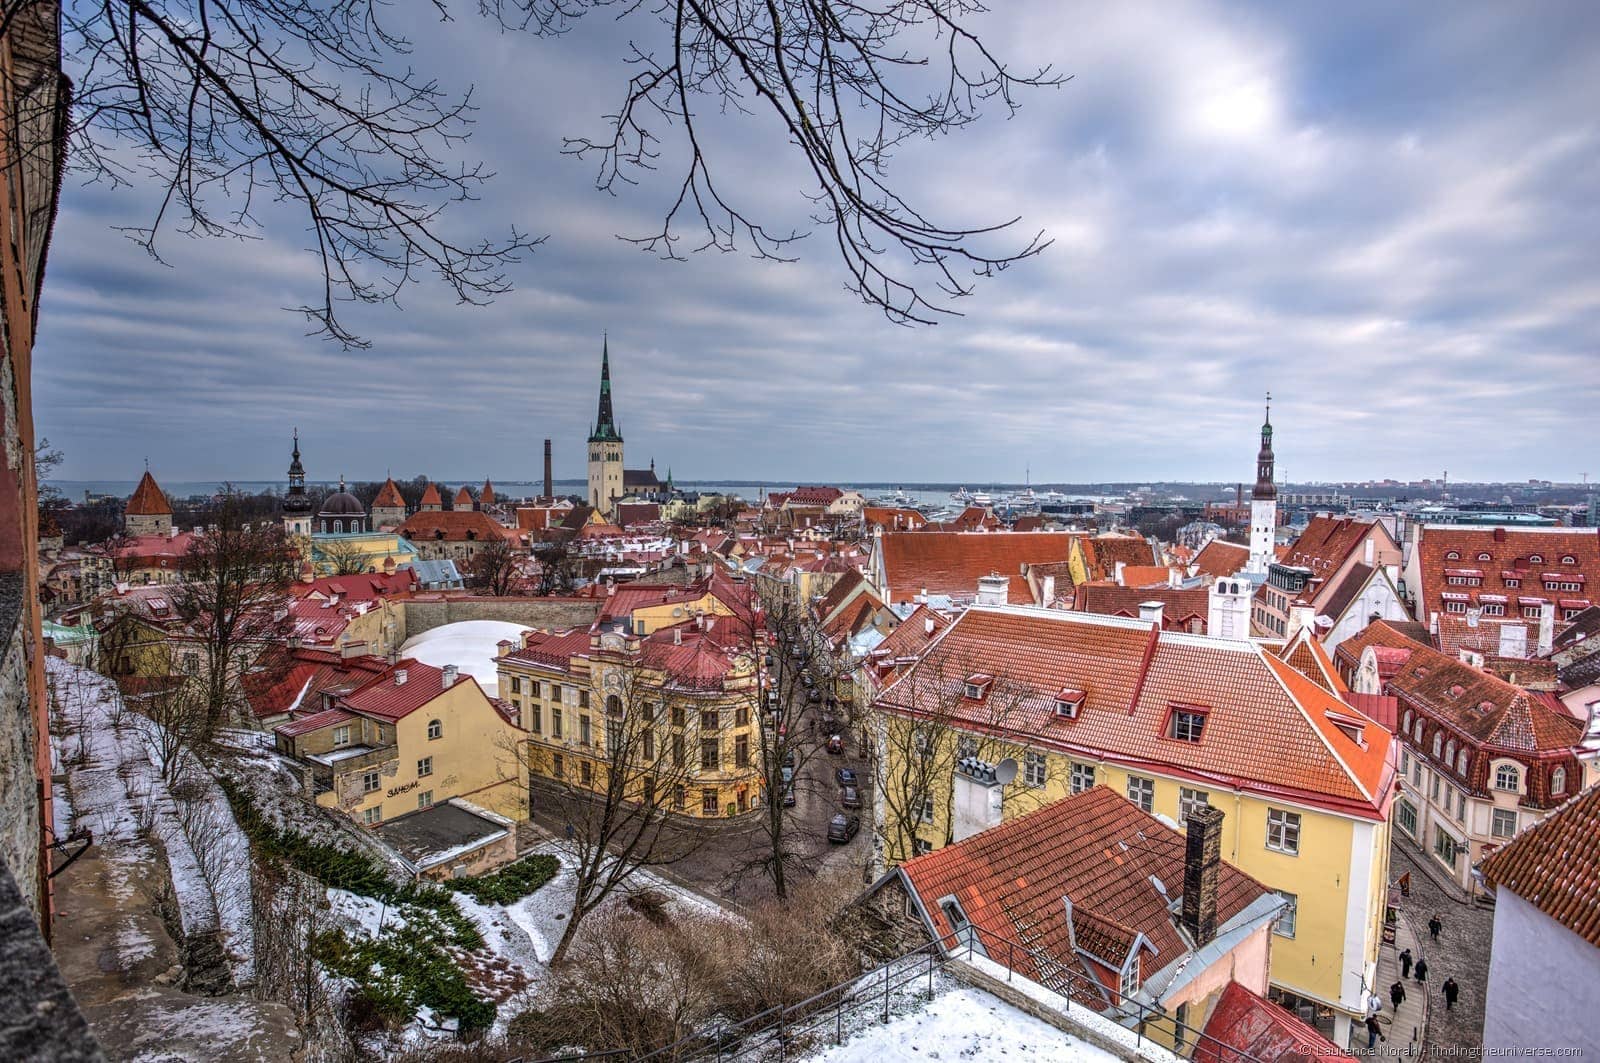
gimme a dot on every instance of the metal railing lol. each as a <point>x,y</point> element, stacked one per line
<point>783,1032</point>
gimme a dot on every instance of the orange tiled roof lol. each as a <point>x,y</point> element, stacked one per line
<point>1326,542</point>
<point>1268,728</point>
<point>1181,607</point>
<point>431,497</point>
<point>463,498</point>
<point>1102,552</point>
<point>454,525</point>
<point>891,518</point>
<point>1242,1025</point>
<point>1218,558</point>
<point>1010,881</point>
<point>486,496</point>
<point>1502,560</point>
<point>952,562</point>
<point>389,496</point>
<point>148,500</point>
<point>1144,575</point>
<point>1555,866</point>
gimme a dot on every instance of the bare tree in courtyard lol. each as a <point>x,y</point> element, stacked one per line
<point>557,568</point>
<point>344,556</point>
<point>230,103</point>
<point>494,569</point>
<point>616,790</point>
<point>233,597</point>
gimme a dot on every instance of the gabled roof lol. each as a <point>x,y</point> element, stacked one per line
<point>1268,729</point>
<point>1404,635</point>
<point>1102,552</point>
<point>1180,606</point>
<point>1501,554</point>
<point>1012,882</point>
<point>1326,542</point>
<point>952,562</point>
<point>1243,1025</point>
<point>148,500</point>
<point>1481,706</point>
<point>1306,655</point>
<point>389,496</point>
<point>1218,559</point>
<point>453,525</point>
<point>314,722</point>
<point>387,698</point>
<point>892,518</point>
<point>1555,866</point>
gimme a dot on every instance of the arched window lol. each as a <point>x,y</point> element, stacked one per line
<point>1418,732</point>
<point>1438,741</point>
<point>1484,556</point>
<point>1507,777</point>
<point>1454,555</point>
<point>1461,764</point>
<point>613,706</point>
<point>1569,560</point>
<point>1558,781</point>
<point>435,729</point>
<point>338,527</point>
<point>1450,751</point>
<point>1537,559</point>
<point>1406,726</point>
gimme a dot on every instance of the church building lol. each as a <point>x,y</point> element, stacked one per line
<point>609,482</point>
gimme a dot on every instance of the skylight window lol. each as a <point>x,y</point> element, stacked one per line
<point>1187,723</point>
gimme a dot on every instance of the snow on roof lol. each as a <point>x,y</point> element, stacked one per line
<point>472,646</point>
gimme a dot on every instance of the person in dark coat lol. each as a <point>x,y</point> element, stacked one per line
<point>1397,994</point>
<point>1451,992</point>
<point>1435,925</point>
<point>1405,963</point>
<point>1422,971</point>
<point>1374,1035</point>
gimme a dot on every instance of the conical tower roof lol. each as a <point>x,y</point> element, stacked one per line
<point>431,497</point>
<point>486,496</point>
<point>605,422</point>
<point>389,496</point>
<point>148,500</point>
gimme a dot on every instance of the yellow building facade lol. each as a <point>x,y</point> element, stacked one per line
<point>1070,726</point>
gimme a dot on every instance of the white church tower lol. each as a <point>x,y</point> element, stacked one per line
<point>1263,504</point>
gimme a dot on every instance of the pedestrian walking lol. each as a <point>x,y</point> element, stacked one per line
<point>1451,992</point>
<point>1374,1035</point>
<point>1405,963</point>
<point>1422,971</point>
<point>1435,925</point>
<point>1397,994</point>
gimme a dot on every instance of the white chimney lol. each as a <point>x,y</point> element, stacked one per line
<point>993,589</point>
<point>1175,578</point>
<point>927,625</point>
<point>1228,609</point>
<point>399,677</point>
<point>677,636</point>
<point>172,532</point>
<point>1117,575</point>
<point>1371,547</point>
<point>1301,615</point>
<point>448,676</point>
<point>978,797</point>
<point>1150,612</point>
<point>1047,590</point>
<point>1547,628</point>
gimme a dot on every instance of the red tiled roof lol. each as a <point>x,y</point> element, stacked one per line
<point>147,551</point>
<point>911,636</point>
<point>1180,606</point>
<point>952,562</point>
<point>1257,1029</point>
<point>431,497</point>
<point>361,587</point>
<point>1555,866</point>
<point>1010,881</point>
<point>455,525</point>
<point>300,677</point>
<point>1481,706</point>
<point>463,498</point>
<point>390,699</point>
<point>810,496</point>
<point>551,649</point>
<point>1143,575</point>
<point>1102,552</point>
<point>389,496</point>
<point>891,518</point>
<point>1218,558</point>
<point>1381,633</point>
<point>1268,728</point>
<point>148,500</point>
<point>314,722</point>
<point>486,496</point>
<point>1502,553</point>
<point>1326,542</point>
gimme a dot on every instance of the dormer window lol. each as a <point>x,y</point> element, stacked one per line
<point>1187,723</point>
<point>977,686</point>
<point>1536,559</point>
<point>1351,728</point>
<point>1484,556</point>
<point>1068,702</point>
<point>1454,555</point>
<point>1568,559</point>
<point>1128,984</point>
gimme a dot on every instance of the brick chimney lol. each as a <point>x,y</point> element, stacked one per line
<point>549,481</point>
<point>1202,862</point>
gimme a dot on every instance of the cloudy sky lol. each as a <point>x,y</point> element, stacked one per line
<point>1384,213</point>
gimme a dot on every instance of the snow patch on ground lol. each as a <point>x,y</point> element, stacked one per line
<point>962,1023</point>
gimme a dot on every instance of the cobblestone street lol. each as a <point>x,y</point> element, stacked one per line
<point>1462,951</point>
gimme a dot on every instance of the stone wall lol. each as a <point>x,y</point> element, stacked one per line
<point>554,614</point>
<point>19,804</point>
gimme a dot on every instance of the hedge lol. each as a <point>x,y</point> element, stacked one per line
<point>512,882</point>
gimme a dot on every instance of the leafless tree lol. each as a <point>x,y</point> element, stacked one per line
<point>616,790</point>
<point>558,565</point>
<point>344,556</point>
<point>233,596</point>
<point>494,569</point>
<point>916,751</point>
<point>227,104</point>
<point>174,719</point>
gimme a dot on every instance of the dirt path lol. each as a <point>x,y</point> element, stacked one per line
<point>116,956</point>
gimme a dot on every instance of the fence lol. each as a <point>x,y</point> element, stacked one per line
<point>781,1033</point>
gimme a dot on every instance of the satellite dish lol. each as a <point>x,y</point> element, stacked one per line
<point>1005,771</point>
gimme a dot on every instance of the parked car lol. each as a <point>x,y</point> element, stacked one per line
<point>788,775</point>
<point>842,828</point>
<point>844,777</point>
<point>788,795</point>
<point>836,744</point>
<point>849,797</point>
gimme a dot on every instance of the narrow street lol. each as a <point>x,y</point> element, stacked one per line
<point>1462,953</point>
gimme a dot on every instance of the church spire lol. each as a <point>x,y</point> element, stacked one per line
<point>1265,487</point>
<point>295,500</point>
<point>605,426</point>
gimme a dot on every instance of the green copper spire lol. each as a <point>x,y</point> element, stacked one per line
<point>605,427</point>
